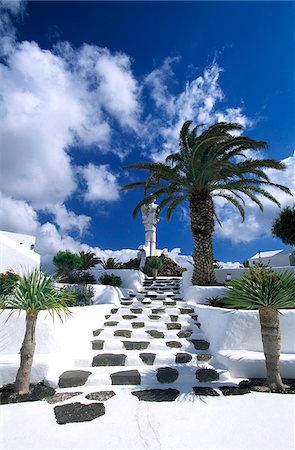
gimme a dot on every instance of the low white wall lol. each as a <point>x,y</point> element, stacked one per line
<point>104,294</point>
<point>16,256</point>
<point>131,279</point>
<point>200,294</point>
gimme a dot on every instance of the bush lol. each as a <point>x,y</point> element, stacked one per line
<point>80,277</point>
<point>110,280</point>
<point>65,262</point>
<point>8,281</point>
<point>215,301</point>
<point>83,295</point>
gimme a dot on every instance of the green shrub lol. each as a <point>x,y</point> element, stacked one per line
<point>65,262</point>
<point>215,301</point>
<point>111,280</point>
<point>80,277</point>
<point>111,263</point>
<point>83,295</point>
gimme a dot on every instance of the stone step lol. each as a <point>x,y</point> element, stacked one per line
<point>150,309</point>
<point>143,324</point>
<point>151,344</point>
<point>144,333</point>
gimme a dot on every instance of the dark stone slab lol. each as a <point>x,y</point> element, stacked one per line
<point>155,334</point>
<point>109,359</point>
<point>167,374</point>
<point>61,397</point>
<point>174,318</point>
<point>137,324</point>
<point>157,395</point>
<point>77,412</point>
<point>148,358</point>
<point>136,310</point>
<point>167,303</point>
<point>111,323</point>
<point>114,310</point>
<point>200,344</point>
<point>173,326</point>
<point>107,316</point>
<point>126,377</point>
<point>97,332</point>
<point>234,390</point>
<point>146,302</point>
<point>101,396</point>
<point>182,358</point>
<point>126,303</point>
<point>123,333</point>
<point>154,317</point>
<point>138,345</point>
<point>97,345</point>
<point>73,378</point>
<point>186,310</point>
<point>207,375</point>
<point>194,316</point>
<point>158,310</point>
<point>204,357</point>
<point>205,391</point>
<point>184,334</point>
<point>174,344</point>
<point>37,392</point>
<point>129,316</point>
<point>198,324</point>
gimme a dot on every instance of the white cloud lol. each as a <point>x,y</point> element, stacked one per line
<point>17,216</point>
<point>69,221</point>
<point>101,183</point>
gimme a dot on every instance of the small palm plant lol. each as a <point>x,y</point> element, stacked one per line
<point>268,292</point>
<point>33,293</point>
<point>154,263</point>
<point>88,260</point>
<point>111,263</point>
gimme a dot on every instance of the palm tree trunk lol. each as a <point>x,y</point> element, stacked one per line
<point>22,382</point>
<point>202,225</point>
<point>271,339</point>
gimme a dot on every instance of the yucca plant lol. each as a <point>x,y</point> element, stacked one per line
<point>33,293</point>
<point>208,164</point>
<point>268,292</point>
<point>154,263</point>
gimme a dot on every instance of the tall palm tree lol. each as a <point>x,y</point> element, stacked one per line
<point>33,293</point>
<point>284,226</point>
<point>208,164</point>
<point>268,292</point>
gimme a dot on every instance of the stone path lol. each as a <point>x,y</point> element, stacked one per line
<point>153,344</point>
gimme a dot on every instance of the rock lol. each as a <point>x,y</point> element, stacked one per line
<point>194,316</point>
<point>173,326</point>
<point>137,324</point>
<point>182,358</point>
<point>167,375</point>
<point>129,317</point>
<point>73,378</point>
<point>200,344</point>
<point>155,334</point>
<point>126,377</point>
<point>170,268</point>
<point>169,303</point>
<point>131,264</point>
<point>157,395</point>
<point>123,333</point>
<point>154,317</point>
<point>205,391</point>
<point>97,332</point>
<point>204,357</point>
<point>148,358</point>
<point>207,375</point>
<point>102,396</point>
<point>126,303</point>
<point>109,359</point>
<point>111,324</point>
<point>132,345</point>
<point>107,316</point>
<point>174,318</point>
<point>174,344</point>
<point>77,412</point>
<point>61,397</point>
<point>184,334</point>
<point>158,310</point>
<point>136,310</point>
<point>186,310</point>
<point>97,345</point>
<point>114,310</point>
<point>234,390</point>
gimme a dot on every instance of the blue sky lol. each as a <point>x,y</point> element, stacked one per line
<point>88,87</point>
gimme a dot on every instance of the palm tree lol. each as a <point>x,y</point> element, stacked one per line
<point>111,263</point>
<point>268,292</point>
<point>284,225</point>
<point>33,293</point>
<point>207,165</point>
<point>88,260</point>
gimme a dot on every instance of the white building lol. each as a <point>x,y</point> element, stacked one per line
<point>275,258</point>
<point>17,253</point>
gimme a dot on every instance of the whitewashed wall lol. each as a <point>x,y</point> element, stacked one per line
<point>131,279</point>
<point>17,257</point>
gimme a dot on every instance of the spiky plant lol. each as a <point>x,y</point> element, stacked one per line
<point>207,165</point>
<point>154,263</point>
<point>111,263</point>
<point>268,292</point>
<point>33,293</point>
<point>88,260</point>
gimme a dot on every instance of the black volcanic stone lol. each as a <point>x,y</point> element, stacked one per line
<point>73,378</point>
<point>200,344</point>
<point>136,310</point>
<point>107,316</point>
<point>167,375</point>
<point>174,318</point>
<point>167,303</point>
<point>184,334</point>
<point>123,333</point>
<point>148,358</point>
<point>126,377</point>
<point>204,357</point>
<point>97,345</point>
<point>205,391</point>
<point>154,317</point>
<point>157,395</point>
<point>186,310</point>
<point>129,316</point>
<point>207,375</point>
<point>155,334</point>
<point>234,390</point>
<point>77,412</point>
<point>182,358</point>
<point>132,345</point>
<point>126,303</point>
<point>61,397</point>
<point>194,316</point>
<point>173,326</point>
<point>174,344</point>
<point>101,396</point>
<point>109,359</point>
<point>158,310</point>
<point>114,310</point>
<point>97,332</point>
<point>137,324</point>
<point>110,324</point>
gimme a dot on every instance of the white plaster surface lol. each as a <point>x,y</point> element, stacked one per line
<point>131,279</point>
<point>200,294</point>
<point>16,256</point>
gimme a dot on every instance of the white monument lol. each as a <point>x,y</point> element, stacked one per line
<point>150,220</point>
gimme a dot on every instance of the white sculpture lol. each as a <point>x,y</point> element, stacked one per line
<point>149,220</point>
